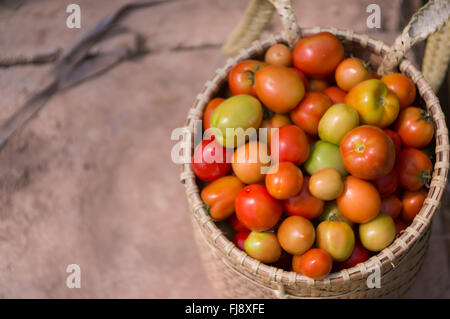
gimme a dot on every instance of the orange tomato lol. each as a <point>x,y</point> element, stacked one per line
<point>279,88</point>
<point>296,235</point>
<point>220,196</point>
<point>304,204</point>
<point>351,72</point>
<point>402,86</point>
<point>315,263</point>
<point>284,180</point>
<point>247,164</point>
<point>412,203</point>
<point>336,94</point>
<point>326,184</point>
<point>360,201</point>
<point>310,110</point>
<point>279,54</point>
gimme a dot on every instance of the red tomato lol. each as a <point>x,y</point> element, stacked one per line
<point>317,85</point>
<point>359,255</point>
<point>237,225</point>
<point>388,184</point>
<point>210,160</point>
<point>415,127</point>
<point>318,55</point>
<point>395,139</point>
<point>285,261</point>
<point>284,180</point>
<point>292,145</point>
<point>400,225</point>
<point>239,239</point>
<point>276,121</point>
<point>279,88</point>
<point>304,204</point>
<point>402,86</point>
<point>335,94</point>
<point>315,263</point>
<point>256,209</point>
<point>374,75</point>
<point>310,110</point>
<point>392,206</point>
<point>241,79</point>
<point>212,105</point>
<point>414,169</point>
<point>367,152</point>
<point>302,76</point>
<point>412,203</point>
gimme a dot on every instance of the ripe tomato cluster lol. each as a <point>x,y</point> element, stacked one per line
<point>351,170</point>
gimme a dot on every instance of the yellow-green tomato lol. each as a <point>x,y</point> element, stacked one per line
<point>378,233</point>
<point>375,103</point>
<point>336,238</point>
<point>326,184</point>
<point>324,155</point>
<point>337,121</point>
<point>331,212</point>
<point>263,247</point>
<point>237,114</point>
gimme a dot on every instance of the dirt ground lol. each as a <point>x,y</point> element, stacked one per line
<point>89,181</point>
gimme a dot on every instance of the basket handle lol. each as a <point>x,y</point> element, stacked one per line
<point>255,20</point>
<point>429,19</point>
<point>291,31</point>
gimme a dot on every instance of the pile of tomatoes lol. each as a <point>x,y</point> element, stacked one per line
<point>353,160</point>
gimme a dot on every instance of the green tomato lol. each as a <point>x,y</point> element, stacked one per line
<point>336,122</point>
<point>378,233</point>
<point>331,212</point>
<point>238,113</point>
<point>336,238</point>
<point>323,155</point>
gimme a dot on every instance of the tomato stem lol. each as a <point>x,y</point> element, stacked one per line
<point>359,148</point>
<point>367,65</point>
<point>252,74</point>
<point>424,115</point>
<point>424,178</point>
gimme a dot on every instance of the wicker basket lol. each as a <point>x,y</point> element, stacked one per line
<point>234,274</point>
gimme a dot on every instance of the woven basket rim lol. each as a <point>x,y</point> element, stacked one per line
<point>391,256</point>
